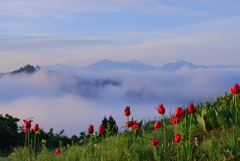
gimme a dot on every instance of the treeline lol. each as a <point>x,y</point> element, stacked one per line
<point>12,135</point>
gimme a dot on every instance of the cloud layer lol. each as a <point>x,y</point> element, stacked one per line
<point>71,99</point>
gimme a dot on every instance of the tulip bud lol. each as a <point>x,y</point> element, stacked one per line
<point>35,127</point>
<point>191,108</point>
<point>57,151</point>
<point>160,109</point>
<point>90,129</point>
<point>157,124</point>
<point>177,138</point>
<point>101,129</point>
<point>127,111</point>
<point>154,142</point>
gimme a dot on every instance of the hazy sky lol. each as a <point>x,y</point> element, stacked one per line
<point>81,32</point>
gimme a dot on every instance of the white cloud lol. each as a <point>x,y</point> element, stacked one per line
<point>72,99</point>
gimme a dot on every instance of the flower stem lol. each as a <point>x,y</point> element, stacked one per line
<point>34,146</point>
<point>236,109</point>
<point>164,134</point>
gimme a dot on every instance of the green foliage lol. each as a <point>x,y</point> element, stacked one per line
<point>211,133</point>
<point>110,126</point>
<point>8,133</point>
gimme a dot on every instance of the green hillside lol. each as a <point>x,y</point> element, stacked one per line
<point>206,131</point>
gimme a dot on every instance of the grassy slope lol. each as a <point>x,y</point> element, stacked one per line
<point>211,133</point>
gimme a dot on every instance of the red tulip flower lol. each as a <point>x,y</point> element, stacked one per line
<point>57,151</point>
<point>179,112</point>
<point>175,120</point>
<point>154,142</point>
<point>90,129</point>
<point>127,111</point>
<point>235,89</point>
<point>35,127</point>
<point>131,123</point>
<point>136,127</point>
<point>27,123</point>
<point>26,130</point>
<point>191,108</point>
<point>101,129</point>
<point>157,124</point>
<point>177,138</point>
<point>160,109</point>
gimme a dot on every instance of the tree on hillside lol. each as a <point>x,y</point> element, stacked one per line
<point>110,125</point>
<point>28,69</point>
<point>8,132</point>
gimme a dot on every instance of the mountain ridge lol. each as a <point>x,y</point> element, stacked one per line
<point>106,65</point>
<point>133,65</point>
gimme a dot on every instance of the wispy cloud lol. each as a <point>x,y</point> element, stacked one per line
<point>26,43</point>
<point>35,8</point>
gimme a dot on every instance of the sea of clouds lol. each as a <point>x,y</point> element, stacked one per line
<point>72,98</point>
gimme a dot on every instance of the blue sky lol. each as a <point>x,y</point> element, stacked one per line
<point>81,32</point>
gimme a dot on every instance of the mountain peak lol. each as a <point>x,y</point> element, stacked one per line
<point>170,67</point>
<point>106,64</point>
<point>134,62</point>
<point>183,62</point>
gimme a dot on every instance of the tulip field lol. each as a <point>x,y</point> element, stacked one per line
<point>204,131</point>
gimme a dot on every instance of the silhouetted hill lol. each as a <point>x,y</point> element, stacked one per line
<point>27,69</point>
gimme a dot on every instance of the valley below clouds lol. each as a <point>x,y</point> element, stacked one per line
<point>73,98</point>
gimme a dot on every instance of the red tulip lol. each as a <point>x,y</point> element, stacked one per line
<point>175,120</point>
<point>27,123</point>
<point>179,112</point>
<point>26,130</point>
<point>127,111</point>
<point>35,127</point>
<point>235,89</point>
<point>157,124</point>
<point>154,142</point>
<point>177,138</point>
<point>136,127</point>
<point>57,151</point>
<point>101,129</point>
<point>160,109</point>
<point>191,108</point>
<point>131,123</point>
<point>90,129</point>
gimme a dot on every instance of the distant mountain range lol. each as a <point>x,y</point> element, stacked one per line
<point>106,65</point>
<point>134,65</point>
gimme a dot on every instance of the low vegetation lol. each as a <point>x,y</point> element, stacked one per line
<point>207,131</point>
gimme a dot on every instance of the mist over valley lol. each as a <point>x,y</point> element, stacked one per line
<point>71,98</point>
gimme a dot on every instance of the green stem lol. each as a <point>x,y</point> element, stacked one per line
<point>177,153</point>
<point>190,135</point>
<point>236,109</point>
<point>29,147</point>
<point>102,149</point>
<point>25,143</point>
<point>34,143</point>
<point>164,135</point>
